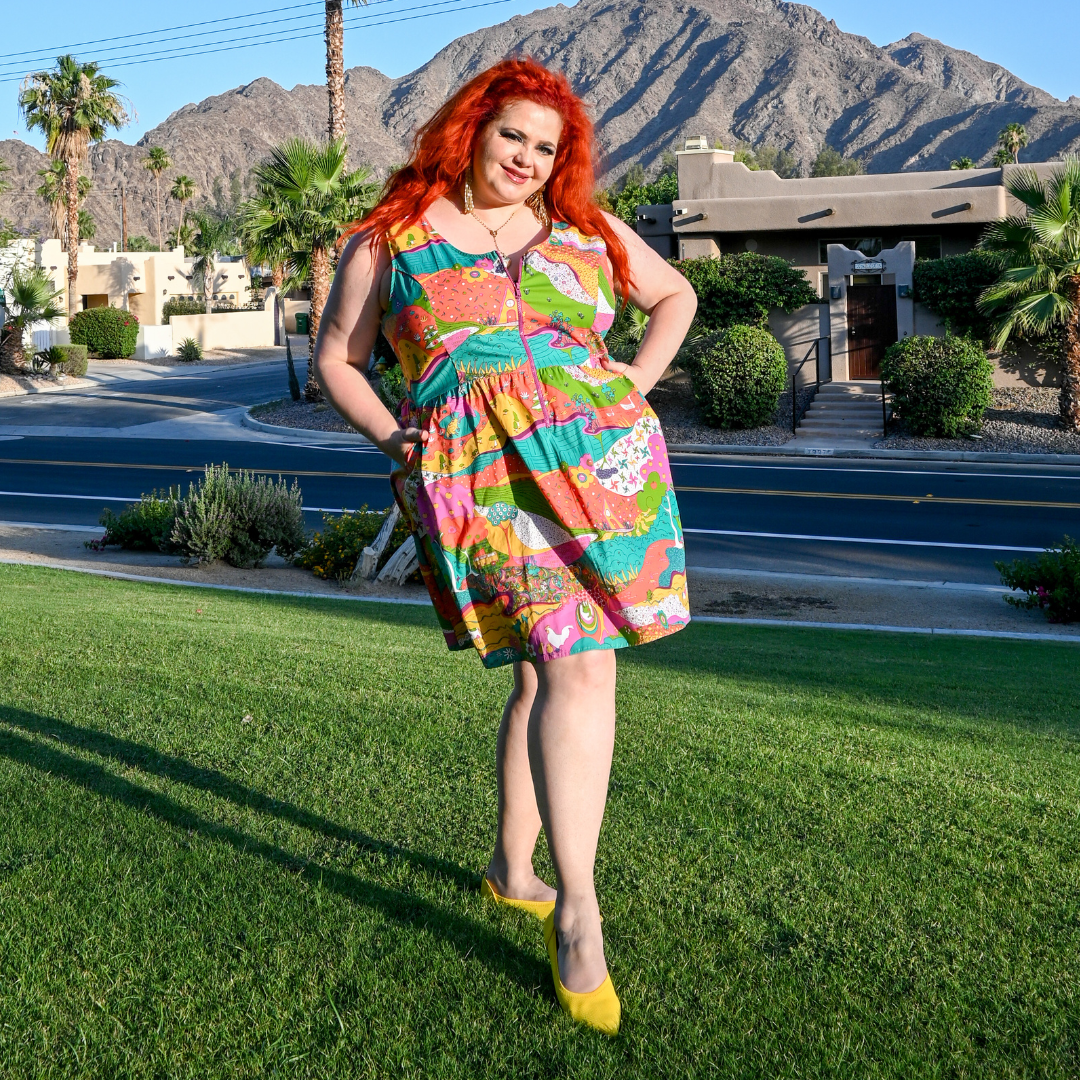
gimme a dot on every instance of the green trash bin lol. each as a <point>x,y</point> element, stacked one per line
<point>301,322</point>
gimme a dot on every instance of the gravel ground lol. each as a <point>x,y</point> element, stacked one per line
<point>300,414</point>
<point>677,409</point>
<point>17,385</point>
<point>216,357</point>
<point>1019,420</point>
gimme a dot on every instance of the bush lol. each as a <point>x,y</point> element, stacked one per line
<point>334,553</point>
<point>624,203</point>
<point>739,376</point>
<point>190,350</point>
<point>238,517</point>
<point>741,289</point>
<point>51,356</point>
<point>105,331</point>
<point>941,385</point>
<point>184,305</point>
<point>1052,582</point>
<point>142,526</point>
<point>951,286</point>
<point>74,359</point>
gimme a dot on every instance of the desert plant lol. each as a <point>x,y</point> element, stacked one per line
<point>628,331</point>
<point>74,359</point>
<point>1039,288</point>
<point>1052,582</point>
<point>183,191</point>
<point>138,242</point>
<point>105,331</point>
<point>53,190</point>
<point>189,350</point>
<point>1012,138</point>
<point>940,385</point>
<point>157,162</point>
<point>962,163</point>
<point>739,376</point>
<point>951,287</point>
<point>73,106</point>
<point>142,526</point>
<point>741,289</point>
<point>215,236</point>
<point>31,298</point>
<point>238,517</point>
<point>333,553</point>
<point>50,360</point>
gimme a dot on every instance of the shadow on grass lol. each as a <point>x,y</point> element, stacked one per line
<point>467,936</point>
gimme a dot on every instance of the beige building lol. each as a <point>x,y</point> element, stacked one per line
<point>855,237</point>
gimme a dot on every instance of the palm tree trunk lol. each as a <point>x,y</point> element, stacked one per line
<point>208,286</point>
<point>157,200</point>
<point>11,352</point>
<point>277,277</point>
<point>320,290</point>
<point>180,225</point>
<point>335,67</point>
<point>1070,367</point>
<point>72,183</point>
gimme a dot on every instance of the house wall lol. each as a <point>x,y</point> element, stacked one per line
<point>797,332</point>
<point>226,330</point>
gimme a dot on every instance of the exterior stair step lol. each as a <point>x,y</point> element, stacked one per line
<point>817,423</point>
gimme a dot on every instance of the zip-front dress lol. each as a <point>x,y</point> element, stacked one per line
<point>542,503</point>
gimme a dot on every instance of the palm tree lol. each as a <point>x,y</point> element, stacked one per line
<point>53,190</point>
<point>73,106</point>
<point>307,200</point>
<point>181,236</point>
<point>183,191</point>
<point>1039,288</point>
<point>215,236</point>
<point>266,241</point>
<point>335,67</point>
<point>156,162</point>
<point>31,297</point>
<point>1013,138</point>
<point>962,163</point>
<point>1002,157</point>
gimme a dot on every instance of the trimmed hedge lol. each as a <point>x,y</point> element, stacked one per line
<point>74,359</point>
<point>950,288</point>
<point>741,289</point>
<point>738,378</point>
<point>107,332</point>
<point>941,385</point>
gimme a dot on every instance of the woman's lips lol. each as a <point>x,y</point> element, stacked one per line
<point>516,177</point>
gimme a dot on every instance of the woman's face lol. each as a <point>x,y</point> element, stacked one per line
<point>515,153</point>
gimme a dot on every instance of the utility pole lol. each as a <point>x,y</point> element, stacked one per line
<point>123,218</point>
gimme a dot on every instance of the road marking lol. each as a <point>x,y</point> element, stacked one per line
<point>883,472</point>
<point>952,500</point>
<point>192,469</point>
<point>861,540</point>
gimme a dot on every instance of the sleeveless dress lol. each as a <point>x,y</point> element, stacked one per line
<point>542,503</point>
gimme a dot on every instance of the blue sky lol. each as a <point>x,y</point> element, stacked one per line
<point>1029,47</point>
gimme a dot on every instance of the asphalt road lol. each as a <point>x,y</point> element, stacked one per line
<point>64,457</point>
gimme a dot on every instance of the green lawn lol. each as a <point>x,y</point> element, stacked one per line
<point>242,836</point>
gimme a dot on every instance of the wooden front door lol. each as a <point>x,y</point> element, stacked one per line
<point>871,313</point>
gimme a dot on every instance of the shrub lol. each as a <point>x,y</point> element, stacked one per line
<point>624,203</point>
<point>74,359</point>
<point>334,553</point>
<point>185,305</point>
<point>741,289</point>
<point>105,331</point>
<point>941,385</point>
<point>142,526</point>
<point>951,286</point>
<point>739,376</point>
<point>52,356</point>
<point>1052,582</point>
<point>238,517</point>
<point>189,351</point>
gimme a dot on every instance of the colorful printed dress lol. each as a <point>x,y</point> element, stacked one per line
<point>542,504</point>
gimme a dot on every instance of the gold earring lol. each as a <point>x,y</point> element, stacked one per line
<point>535,202</point>
<point>466,192</point>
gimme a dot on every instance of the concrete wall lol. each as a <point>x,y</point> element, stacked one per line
<point>227,330</point>
<point>291,308</point>
<point>797,333</point>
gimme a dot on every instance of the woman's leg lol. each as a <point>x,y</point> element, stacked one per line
<point>511,867</point>
<point>571,739</point>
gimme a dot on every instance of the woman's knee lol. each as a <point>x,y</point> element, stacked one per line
<point>591,672</point>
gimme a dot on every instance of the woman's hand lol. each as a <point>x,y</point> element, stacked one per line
<point>635,374</point>
<point>396,444</point>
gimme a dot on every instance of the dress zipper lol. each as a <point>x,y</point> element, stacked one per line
<point>521,330</point>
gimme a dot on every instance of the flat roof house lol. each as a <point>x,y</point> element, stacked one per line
<point>855,237</point>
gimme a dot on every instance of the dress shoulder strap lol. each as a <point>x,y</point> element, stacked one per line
<point>405,238</point>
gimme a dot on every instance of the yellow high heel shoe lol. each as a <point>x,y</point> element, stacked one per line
<point>600,1008</point>
<point>541,909</point>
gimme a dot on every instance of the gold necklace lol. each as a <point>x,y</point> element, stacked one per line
<point>494,232</point>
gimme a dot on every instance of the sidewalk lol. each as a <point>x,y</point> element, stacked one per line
<point>716,595</point>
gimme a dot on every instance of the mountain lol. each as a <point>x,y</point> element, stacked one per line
<point>654,71</point>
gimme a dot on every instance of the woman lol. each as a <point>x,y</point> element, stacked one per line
<point>533,472</point>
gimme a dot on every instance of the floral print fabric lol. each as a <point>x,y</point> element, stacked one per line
<point>542,503</point>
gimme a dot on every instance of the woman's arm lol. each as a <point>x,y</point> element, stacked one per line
<point>668,299</point>
<point>347,331</point>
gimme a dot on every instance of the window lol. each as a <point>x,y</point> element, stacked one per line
<point>823,284</point>
<point>868,245</point>
<point>926,247</point>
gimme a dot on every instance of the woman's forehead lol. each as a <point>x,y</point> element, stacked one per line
<point>539,121</point>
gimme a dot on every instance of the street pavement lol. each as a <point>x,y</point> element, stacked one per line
<point>64,457</point>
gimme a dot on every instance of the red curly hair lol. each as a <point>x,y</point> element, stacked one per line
<point>443,150</point>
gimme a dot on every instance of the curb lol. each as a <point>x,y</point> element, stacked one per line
<point>82,382</point>
<point>346,438</point>
<point>786,450</point>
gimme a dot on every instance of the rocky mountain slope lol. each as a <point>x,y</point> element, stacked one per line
<point>653,70</point>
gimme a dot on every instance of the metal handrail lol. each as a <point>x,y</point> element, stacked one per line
<point>816,350</point>
<point>884,414</point>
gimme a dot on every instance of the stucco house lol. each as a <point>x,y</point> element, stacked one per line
<point>855,237</point>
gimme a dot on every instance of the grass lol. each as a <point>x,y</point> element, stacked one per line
<point>241,836</point>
